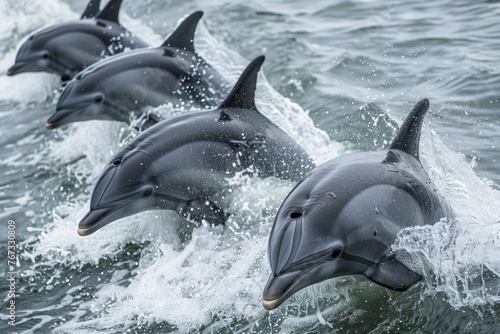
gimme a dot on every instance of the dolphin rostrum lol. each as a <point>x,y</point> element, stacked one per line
<point>344,217</point>
<point>121,86</point>
<point>67,48</point>
<point>181,162</point>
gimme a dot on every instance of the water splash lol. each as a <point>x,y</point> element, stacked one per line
<point>458,257</point>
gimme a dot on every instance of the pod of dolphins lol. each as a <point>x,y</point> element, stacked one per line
<point>341,218</point>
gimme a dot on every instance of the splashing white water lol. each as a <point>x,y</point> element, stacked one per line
<point>459,257</point>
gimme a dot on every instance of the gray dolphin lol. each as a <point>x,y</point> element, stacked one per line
<point>117,86</point>
<point>67,48</point>
<point>179,163</point>
<point>344,217</point>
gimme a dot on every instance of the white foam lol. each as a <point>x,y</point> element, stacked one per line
<point>139,29</point>
<point>219,274</point>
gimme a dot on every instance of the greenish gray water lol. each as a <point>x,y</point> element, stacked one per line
<point>341,75</point>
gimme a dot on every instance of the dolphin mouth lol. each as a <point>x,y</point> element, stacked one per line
<point>17,68</point>
<point>62,117</point>
<point>94,220</point>
<point>51,126</point>
<point>278,289</point>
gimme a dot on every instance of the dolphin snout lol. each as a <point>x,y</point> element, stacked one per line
<point>51,125</point>
<point>104,207</point>
<point>66,116</point>
<point>94,220</point>
<point>16,68</point>
<point>277,289</point>
<point>56,120</point>
<point>280,288</point>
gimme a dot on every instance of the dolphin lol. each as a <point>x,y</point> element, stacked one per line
<point>127,83</point>
<point>344,216</point>
<point>181,162</point>
<point>67,48</point>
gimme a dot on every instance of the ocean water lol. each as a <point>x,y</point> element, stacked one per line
<point>339,76</point>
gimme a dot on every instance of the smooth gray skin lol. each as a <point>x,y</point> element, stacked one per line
<point>67,48</point>
<point>127,83</point>
<point>344,217</point>
<point>181,162</point>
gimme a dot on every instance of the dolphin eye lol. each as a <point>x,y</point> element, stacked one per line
<point>336,252</point>
<point>98,99</point>
<point>295,215</point>
<point>45,56</point>
<point>117,162</point>
<point>147,192</point>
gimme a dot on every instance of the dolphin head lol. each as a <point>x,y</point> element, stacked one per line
<point>33,56</point>
<point>66,48</point>
<point>126,186</point>
<point>339,221</point>
<point>344,217</point>
<point>63,49</point>
<point>86,98</point>
<point>304,248</point>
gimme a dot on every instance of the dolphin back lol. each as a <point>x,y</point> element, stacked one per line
<point>271,151</point>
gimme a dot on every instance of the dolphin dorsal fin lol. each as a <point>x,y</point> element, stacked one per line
<point>183,36</point>
<point>91,10</point>
<point>408,137</point>
<point>111,11</point>
<point>242,96</point>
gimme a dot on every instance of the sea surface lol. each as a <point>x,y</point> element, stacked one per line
<point>340,76</point>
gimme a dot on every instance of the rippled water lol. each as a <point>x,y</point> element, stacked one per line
<point>341,75</point>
